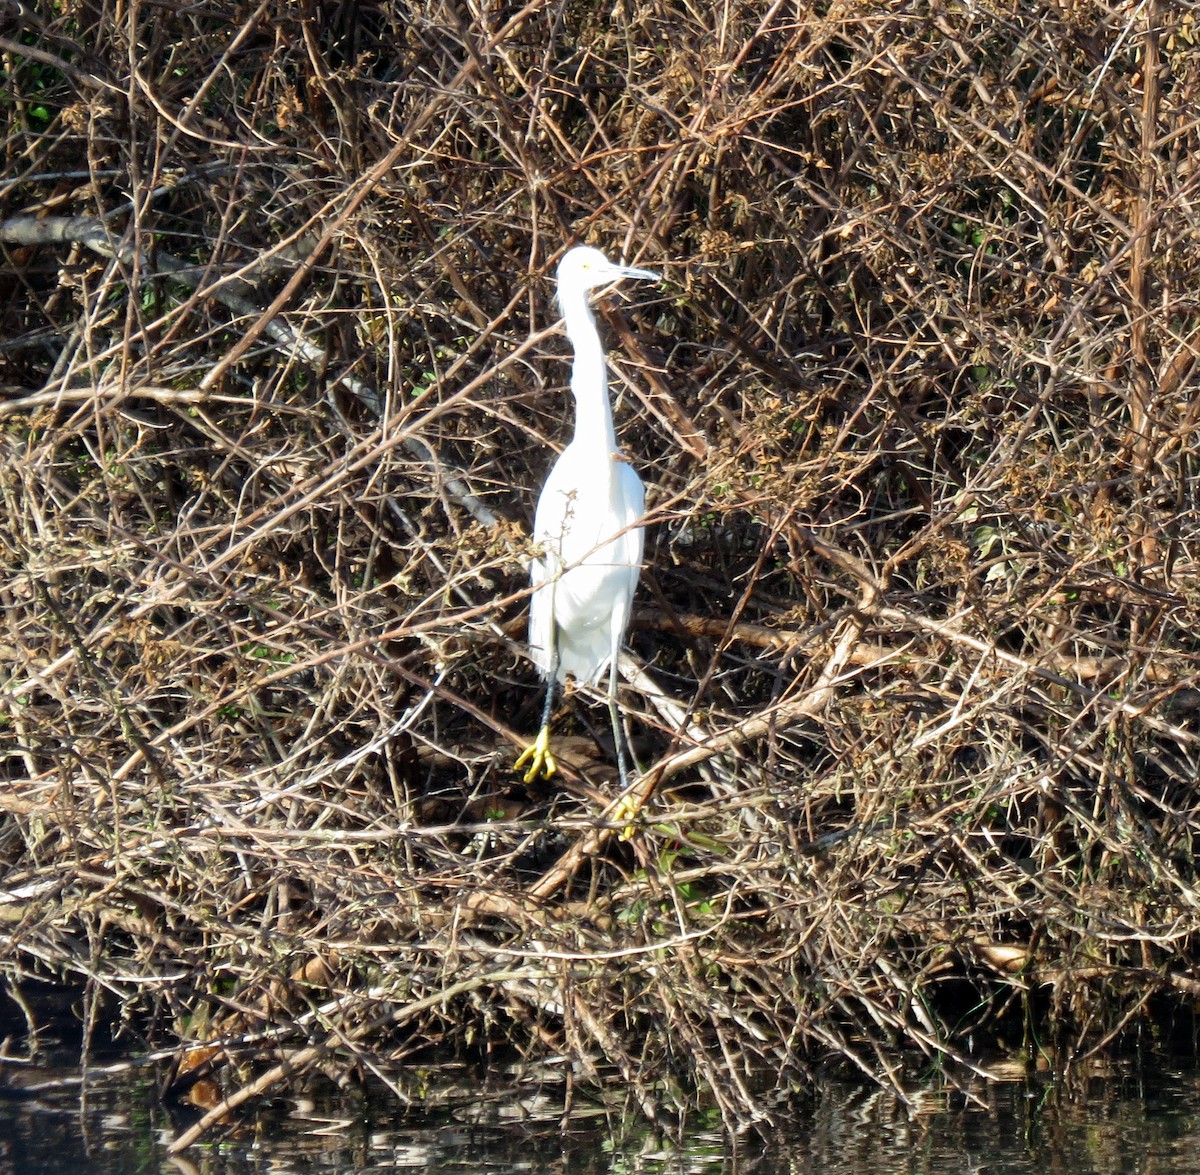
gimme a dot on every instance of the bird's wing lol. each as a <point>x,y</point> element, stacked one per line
<point>548,525</point>
<point>633,498</point>
<point>554,503</point>
<point>541,626</point>
<point>631,495</point>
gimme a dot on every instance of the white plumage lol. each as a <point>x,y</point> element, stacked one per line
<point>587,520</point>
<point>592,554</point>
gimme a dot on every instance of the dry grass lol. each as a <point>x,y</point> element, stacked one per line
<point>916,404</point>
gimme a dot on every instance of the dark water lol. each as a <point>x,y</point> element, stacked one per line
<point>1127,1122</point>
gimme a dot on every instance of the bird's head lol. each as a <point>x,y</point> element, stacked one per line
<point>584,268</point>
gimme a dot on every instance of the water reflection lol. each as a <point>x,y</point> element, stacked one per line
<point>1125,1123</point>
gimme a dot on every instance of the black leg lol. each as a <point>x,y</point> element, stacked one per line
<point>548,704</point>
<point>618,739</point>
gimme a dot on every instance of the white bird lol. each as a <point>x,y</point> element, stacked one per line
<point>587,523</point>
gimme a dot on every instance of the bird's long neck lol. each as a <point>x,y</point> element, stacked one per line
<point>589,378</point>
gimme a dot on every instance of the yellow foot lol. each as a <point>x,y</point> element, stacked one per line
<point>626,809</point>
<point>537,755</point>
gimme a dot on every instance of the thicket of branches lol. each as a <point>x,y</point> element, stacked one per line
<point>915,668</point>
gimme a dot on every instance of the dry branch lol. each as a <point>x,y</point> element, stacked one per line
<point>914,682</point>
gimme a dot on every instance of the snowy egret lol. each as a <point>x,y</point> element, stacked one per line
<point>586,524</point>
